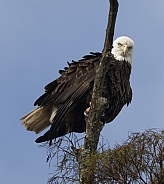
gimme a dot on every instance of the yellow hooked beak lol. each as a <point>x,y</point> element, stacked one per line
<point>125,49</point>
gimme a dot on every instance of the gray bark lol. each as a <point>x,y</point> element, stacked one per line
<point>98,105</point>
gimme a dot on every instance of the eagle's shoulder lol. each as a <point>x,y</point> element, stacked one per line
<point>80,67</point>
<point>71,77</point>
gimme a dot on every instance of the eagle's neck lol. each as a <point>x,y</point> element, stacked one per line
<point>123,58</point>
<point>118,56</point>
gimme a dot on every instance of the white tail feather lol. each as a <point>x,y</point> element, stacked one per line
<point>54,109</point>
<point>37,120</point>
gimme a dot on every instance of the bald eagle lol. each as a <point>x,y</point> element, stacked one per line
<point>64,103</point>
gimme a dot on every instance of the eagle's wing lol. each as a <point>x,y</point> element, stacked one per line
<point>66,91</point>
<point>71,79</point>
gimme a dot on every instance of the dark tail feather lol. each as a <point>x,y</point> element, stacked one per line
<point>43,138</point>
<point>47,137</point>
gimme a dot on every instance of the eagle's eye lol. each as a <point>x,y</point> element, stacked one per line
<point>130,47</point>
<point>119,44</point>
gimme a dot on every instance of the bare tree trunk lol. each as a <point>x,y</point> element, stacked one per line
<point>98,105</point>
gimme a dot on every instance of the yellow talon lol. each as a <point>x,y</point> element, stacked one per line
<point>88,109</point>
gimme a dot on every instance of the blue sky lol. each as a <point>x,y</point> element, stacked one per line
<point>37,37</point>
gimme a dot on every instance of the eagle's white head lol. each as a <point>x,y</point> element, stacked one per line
<point>123,49</point>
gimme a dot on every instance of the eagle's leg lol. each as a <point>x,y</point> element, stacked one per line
<point>87,110</point>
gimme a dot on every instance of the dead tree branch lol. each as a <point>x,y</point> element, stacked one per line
<point>98,104</point>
